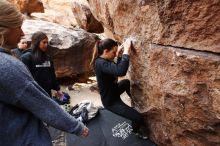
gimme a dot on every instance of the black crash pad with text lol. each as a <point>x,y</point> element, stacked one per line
<point>108,129</point>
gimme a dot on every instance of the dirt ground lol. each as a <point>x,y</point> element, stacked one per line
<point>81,91</point>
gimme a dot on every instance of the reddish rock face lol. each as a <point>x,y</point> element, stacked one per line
<point>177,23</point>
<point>58,11</point>
<point>85,19</point>
<point>179,90</point>
<point>175,71</point>
<point>29,6</point>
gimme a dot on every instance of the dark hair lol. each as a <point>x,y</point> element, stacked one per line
<point>38,54</point>
<point>99,48</point>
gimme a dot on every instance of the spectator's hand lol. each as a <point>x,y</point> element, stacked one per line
<point>85,132</point>
<point>127,46</point>
<point>59,95</point>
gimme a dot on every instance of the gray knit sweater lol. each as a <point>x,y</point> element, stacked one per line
<point>24,105</point>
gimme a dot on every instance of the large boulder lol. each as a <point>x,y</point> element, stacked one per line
<point>57,11</point>
<point>29,6</point>
<point>193,25</point>
<point>175,69</point>
<point>71,49</point>
<point>180,92</point>
<point>85,19</point>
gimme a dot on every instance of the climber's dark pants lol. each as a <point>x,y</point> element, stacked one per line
<point>120,108</point>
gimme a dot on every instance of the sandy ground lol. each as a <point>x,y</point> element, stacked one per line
<point>81,91</point>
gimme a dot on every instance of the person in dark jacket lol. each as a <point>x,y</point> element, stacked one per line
<point>24,105</point>
<point>107,73</point>
<point>40,64</point>
<point>22,46</point>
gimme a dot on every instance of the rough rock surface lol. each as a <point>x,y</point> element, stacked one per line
<point>180,91</point>
<point>54,16</point>
<point>175,71</point>
<point>29,6</point>
<point>85,19</point>
<point>188,24</point>
<point>57,11</point>
<point>71,49</point>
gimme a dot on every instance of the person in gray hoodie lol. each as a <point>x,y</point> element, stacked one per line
<point>24,105</point>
